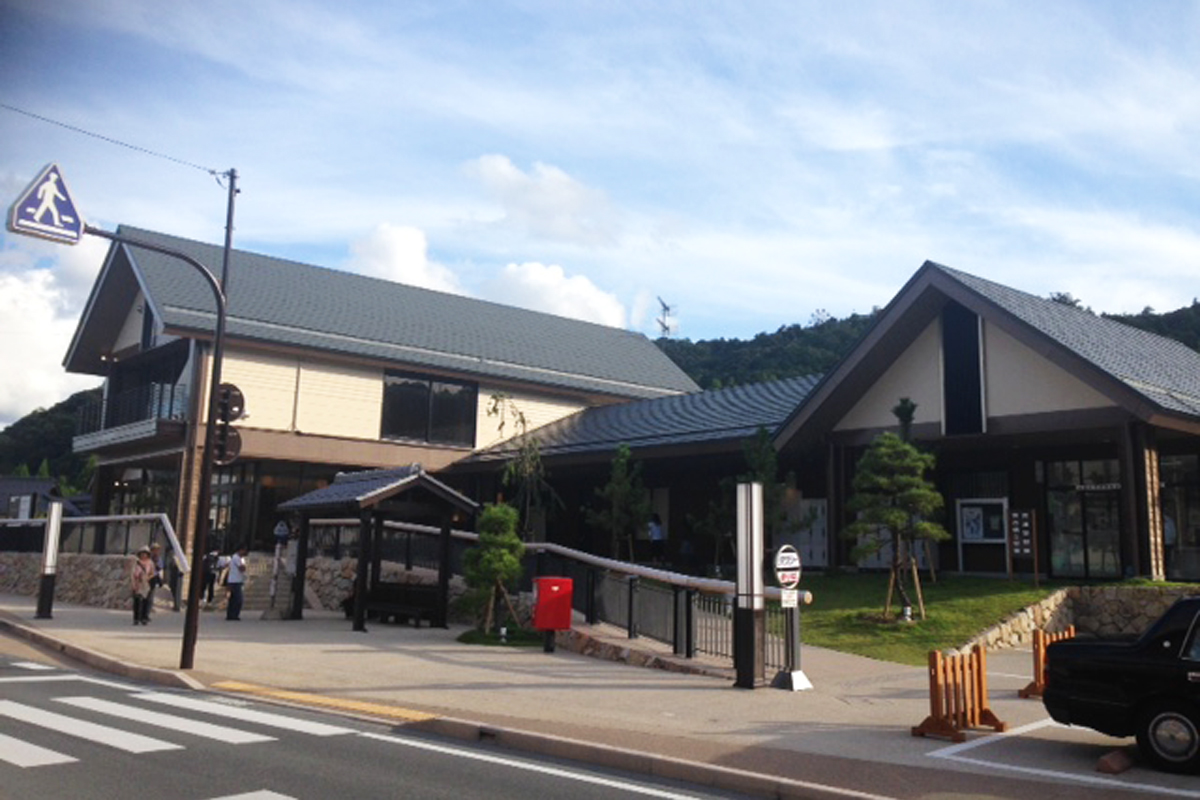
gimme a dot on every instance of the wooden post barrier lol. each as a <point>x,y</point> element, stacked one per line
<point>1042,640</point>
<point>958,696</point>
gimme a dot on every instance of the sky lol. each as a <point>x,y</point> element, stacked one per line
<point>754,164</point>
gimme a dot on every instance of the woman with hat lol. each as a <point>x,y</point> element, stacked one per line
<point>143,570</point>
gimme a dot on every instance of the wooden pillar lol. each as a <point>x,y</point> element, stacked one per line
<point>443,595</point>
<point>834,490</point>
<point>298,580</point>
<point>1141,512</point>
<point>360,575</point>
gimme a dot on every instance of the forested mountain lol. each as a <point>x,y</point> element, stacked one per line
<point>788,352</point>
<point>45,436</point>
<point>1183,324</point>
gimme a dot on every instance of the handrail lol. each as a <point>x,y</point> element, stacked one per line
<point>705,585</point>
<point>181,559</point>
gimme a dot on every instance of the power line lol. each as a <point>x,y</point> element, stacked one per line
<point>110,140</point>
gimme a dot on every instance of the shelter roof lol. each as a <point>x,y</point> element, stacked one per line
<point>352,492</point>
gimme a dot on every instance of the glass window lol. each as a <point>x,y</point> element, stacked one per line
<point>405,408</point>
<point>427,410</point>
<point>452,413</point>
<point>1101,472</point>
<point>1063,473</point>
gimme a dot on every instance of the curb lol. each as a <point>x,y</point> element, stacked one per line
<point>577,750</point>
<point>659,766</point>
<point>164,677</point>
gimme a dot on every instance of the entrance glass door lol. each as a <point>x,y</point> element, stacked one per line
<point>1084,518</point>
<point>1102,523</point>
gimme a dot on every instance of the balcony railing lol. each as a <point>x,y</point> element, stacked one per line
<point>152,401</point>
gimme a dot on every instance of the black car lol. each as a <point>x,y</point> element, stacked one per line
<point>1148,687</point>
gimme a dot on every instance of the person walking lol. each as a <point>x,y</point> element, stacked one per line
<point>139,578</point>
<point>236,581</point>
<point>211,566</point>
<point>156,557</point>
<point>658,539</point>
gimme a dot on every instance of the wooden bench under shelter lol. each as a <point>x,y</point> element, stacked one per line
<point>406,494</point>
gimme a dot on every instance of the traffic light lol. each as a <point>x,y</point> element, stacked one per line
<point>227,442</point>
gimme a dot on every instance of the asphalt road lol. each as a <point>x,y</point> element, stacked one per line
<point>67,734</point>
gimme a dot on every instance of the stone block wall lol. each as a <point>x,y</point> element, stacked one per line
<point>103,581</point>
<point>1101,611</point>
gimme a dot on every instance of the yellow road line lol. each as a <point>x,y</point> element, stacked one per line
<point>340,704</point>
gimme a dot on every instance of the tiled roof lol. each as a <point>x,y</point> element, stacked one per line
<point>718,415</point>
<point>1163,370</point>
<point>352,491</point>
<point>290,303</point>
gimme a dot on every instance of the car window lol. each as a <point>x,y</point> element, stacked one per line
<point>1192,651</point>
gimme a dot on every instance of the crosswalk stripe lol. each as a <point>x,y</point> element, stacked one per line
<point>244,714</point>
<point>102,734</point>
<point>158,719</point>
<point>24,754</point>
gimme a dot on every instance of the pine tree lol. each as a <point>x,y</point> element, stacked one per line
<point>494,564</point>
<point>894,500</point>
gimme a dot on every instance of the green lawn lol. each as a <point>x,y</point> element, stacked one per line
<point>846,610</point>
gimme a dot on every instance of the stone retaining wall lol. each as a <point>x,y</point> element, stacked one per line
<point>1101,611</point>
<point>103,581</point>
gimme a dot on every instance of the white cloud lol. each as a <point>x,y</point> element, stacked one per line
<point>547,202</point>
<point>401,254</point>
<point>36,325</point>
<point>548,288</point>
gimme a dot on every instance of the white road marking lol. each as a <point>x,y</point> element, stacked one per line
<point>24,754</point>
<point>262,794</point>
<point>951,753</point>
<point>33,665</point>
<point>244,714</point>
<point>158,719</point>
<point>624,786</point>
<point>102,734</point>
<point>61,678</point>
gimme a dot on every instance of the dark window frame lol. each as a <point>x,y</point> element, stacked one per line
<point>446,414</point>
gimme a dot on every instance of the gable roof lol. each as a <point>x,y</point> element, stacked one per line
<point>1153,377</point>
<point>281,302</point>
<point>352,492</point>
<point>717,418</point>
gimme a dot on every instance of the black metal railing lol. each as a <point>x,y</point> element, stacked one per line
<point>693,615</point>
<point>152,401</point>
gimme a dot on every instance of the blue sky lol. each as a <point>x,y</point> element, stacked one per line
<point>749,162</point>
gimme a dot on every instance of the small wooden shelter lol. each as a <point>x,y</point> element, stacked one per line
<point>405,494</point>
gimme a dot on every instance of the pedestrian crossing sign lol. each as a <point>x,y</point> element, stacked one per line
<point>45,209</point>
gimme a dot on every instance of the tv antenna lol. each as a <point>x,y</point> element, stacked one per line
<point>664,320</point>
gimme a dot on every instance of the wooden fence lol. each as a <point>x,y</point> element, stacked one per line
<point>958,696</point>
<point>1042,640</point>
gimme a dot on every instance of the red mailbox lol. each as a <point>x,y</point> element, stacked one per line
<point>552,604</point>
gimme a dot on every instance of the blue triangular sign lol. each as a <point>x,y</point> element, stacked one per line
<point>45,209</point>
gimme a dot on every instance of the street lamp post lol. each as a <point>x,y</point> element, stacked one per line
<point>45,210</point>
<point>200,539</point>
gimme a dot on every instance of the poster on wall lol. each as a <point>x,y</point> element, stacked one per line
<point>971,523</point>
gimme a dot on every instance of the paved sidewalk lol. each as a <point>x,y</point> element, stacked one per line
<point>858,714</point>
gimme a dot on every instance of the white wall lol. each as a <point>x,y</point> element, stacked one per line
<point>916,374</point>
<point>1019,381</point>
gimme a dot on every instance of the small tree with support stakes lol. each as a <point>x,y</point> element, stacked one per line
<point>894,501</point>
<point>494,564</point>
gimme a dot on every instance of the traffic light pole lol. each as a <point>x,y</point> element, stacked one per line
<point>200,538</point>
